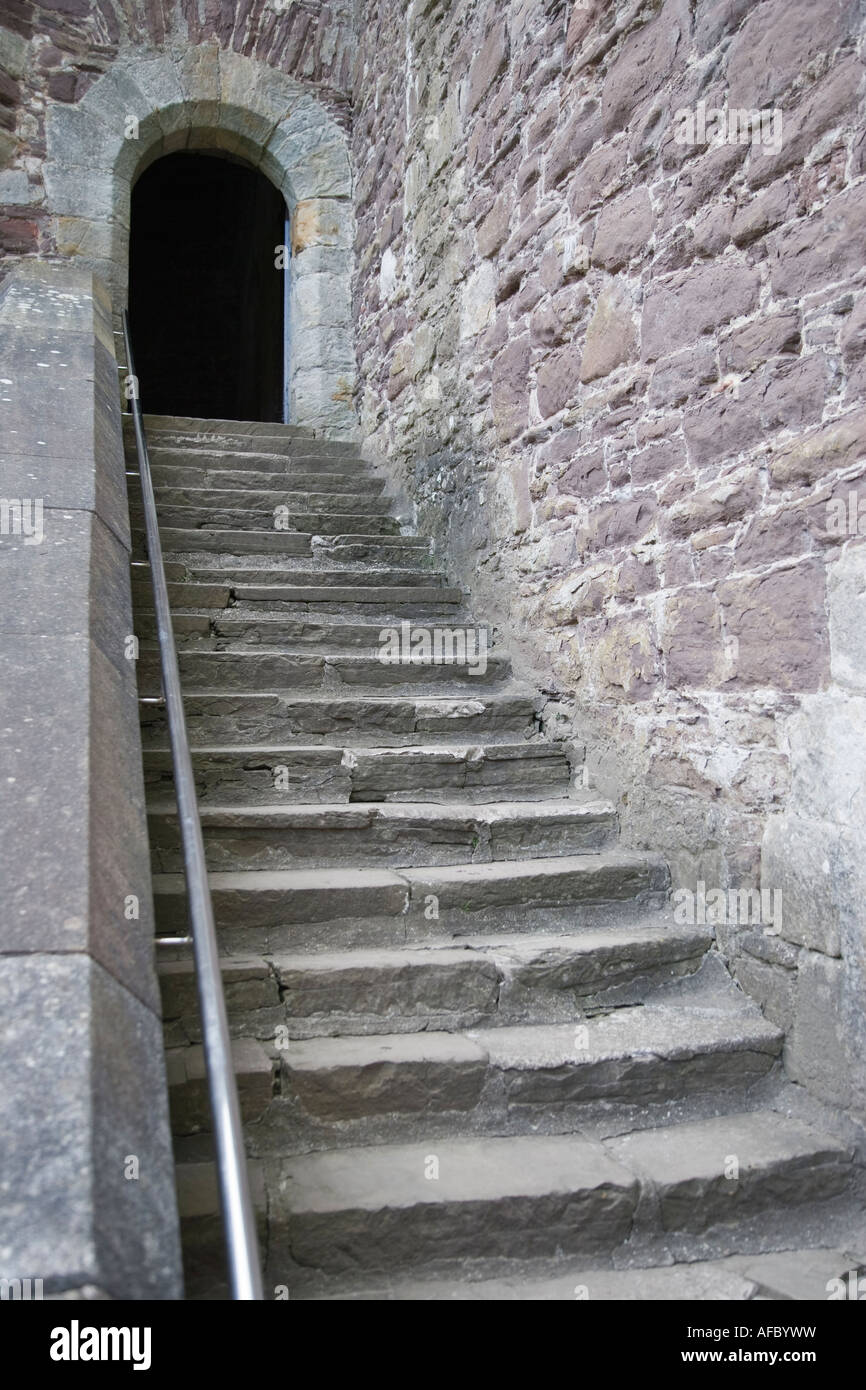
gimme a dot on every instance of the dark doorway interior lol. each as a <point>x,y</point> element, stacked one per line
<point>205,296</point>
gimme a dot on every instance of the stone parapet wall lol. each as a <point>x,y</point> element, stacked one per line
<point>87,1203</point>
<point>613,350</point>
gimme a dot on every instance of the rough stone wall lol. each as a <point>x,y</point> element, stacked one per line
<point>54,53</point>
<point>620,370</point>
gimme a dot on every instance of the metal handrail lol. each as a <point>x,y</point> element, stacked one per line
<point>237,1208</point>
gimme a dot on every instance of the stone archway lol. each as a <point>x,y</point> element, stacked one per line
<point>152,105</point>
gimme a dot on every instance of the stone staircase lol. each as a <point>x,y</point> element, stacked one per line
<point>476,1056</point>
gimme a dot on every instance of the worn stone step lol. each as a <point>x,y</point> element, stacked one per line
<point>196,427</point>
<point>496,1212</point>
<point>482,981</point>
<point>227,543</point>
<point>256,518</point>
<point>266,669</point>
<point>249,775</point>
<point>376,833</point>
<point>379,1208</point>
<point>341,626</point>
<point>177,541</point>
<point>378,550</point>
<point>491,1197</point>
<point>404,639</point>
<point>219,444</point>
<point>276,598</point>
<point>241,629</point>
<point>780,1275</point>
<point>266,499</point>
<point>393,721</point>
<point>188,1089</point>
<point>336,908</point>
<point>181,594</point>
<point>268,574</point>
<point>243,436</point>
<point>300,478</point>
<point>252,994</point>
<point>631,1056</point>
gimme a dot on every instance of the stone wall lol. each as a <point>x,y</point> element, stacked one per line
<point>612,347</point>
<point>87,1202</point>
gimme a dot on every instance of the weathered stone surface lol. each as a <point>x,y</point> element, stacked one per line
<point>816,454</point>
<point>71,1215</point>
<point>560,1192</point>
<point>689,1166</point>
<point>777,42</point>
<point>692,639</point>
<point>611,337</point>
<point>693,302</point>
<point>816,1053</point>
<point>819,250</point>
<point>641,66</point>
<point>623,231</point>
<point>749,347</point>
<point>676,378</point>
<point>780,625</point>
<point>847,597</point>
<point>489,63</point>
<point>557,380</point>
<point>510,389</point>
<point>811,863</point>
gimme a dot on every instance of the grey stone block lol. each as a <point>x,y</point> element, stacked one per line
<point>70,1215</point>
<point>847,594</point>
<point>72,831</point>
<point>817,1049</point>
<point>814,865</point>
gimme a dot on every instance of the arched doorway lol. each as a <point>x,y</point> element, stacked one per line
<point>100,147</point>
<point>206,294</point>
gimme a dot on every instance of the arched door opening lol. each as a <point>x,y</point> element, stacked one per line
<point>206,296</point>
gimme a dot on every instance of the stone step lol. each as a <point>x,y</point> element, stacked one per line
<point>188,1090</point>
<point>243,436</point>
<point>196,427</point>
<point>384,833</point>
<point>383,1208</point>
<point>266,573</point>
<point>790,1274</point>
<point>376,550</point>
<point>203,619</point>
<point>632,1056</point>
<point>340,908</point>
<point>181,594</point>
<point>265,500</point>
<point>393,721</point>
<point>276,598</point>
<point>248,541</point>
<point>299,477</point>
<point>277,491</point>
<point>483,981</point>
<point>263,669</point>
<point>261,518</point>
<point>268,775</point>
<point>412,639</point>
